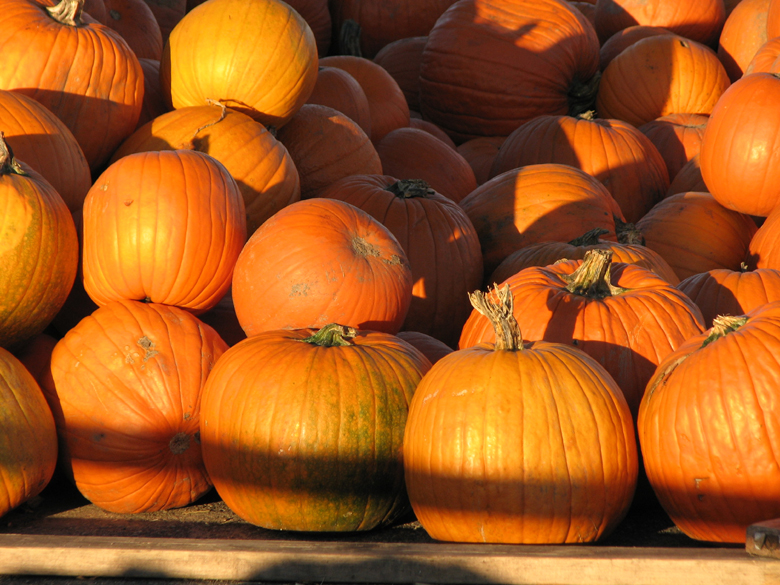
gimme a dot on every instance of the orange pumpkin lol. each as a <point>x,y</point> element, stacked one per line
<point>401,59</point>
<point>688,178</point>
<point>38,251</point>
<point>743,35</point>
<point>624,38</point>
<point>337,89</point>
<point>164,227</point>
<point>766,58</point>
<point>764,246</point>
<point>51,55</point>
<point>321,261</point>
<point>303,429</point>
<point>256,56</point>
<point>429,346</point>
<point>154,101</point>
<point>496,448</point>
<point>168,13</point>
<point>126,392</point>
<point>677,138</point>
<point>135,22</point>
<point>317,16</point>
<point>480,154</point>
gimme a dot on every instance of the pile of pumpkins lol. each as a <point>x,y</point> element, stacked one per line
<point>495,262</point>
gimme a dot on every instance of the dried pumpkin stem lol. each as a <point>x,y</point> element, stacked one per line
<point>67,12</point>
<point>8,164</point>
<point>592,278</point>
<point>349,38</point>
<point>722,325</point>
<point>498,310</point>
<point>627,233</point>
<point>409,188</point>
<point>590,238</point>
<point>582,95</point>
<point>332,335</point>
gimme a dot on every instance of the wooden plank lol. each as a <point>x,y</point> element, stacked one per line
<point>250,560</point>
<point>763,539</point>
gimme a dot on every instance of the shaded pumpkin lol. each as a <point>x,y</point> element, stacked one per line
<point>337,89</point>
<point>401,59</point>
<point>743,35</point>
<point>677,138</point>
<point>429,346</point>
<point>168,13</point>
<point>766,58</point>
<point>434,130</point>
<point>154,100</point>
<point>136,23</point>
<point>688,178</point>
<point>480,154</point>
<point>125,391</point>
<point>317,16</point>
<point>624,38</point>
<point>764,247</point>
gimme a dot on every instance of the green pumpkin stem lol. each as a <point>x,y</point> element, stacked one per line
<point>592,278</point>
<point>590,238</point>
<point>722,325</point>
<point>8,164</point>
<point>332,335</point>
<point>67,12</point>
<point>582,95</point>
<point>498,310</point>
<point>409,188</point>
<point>349,38</point>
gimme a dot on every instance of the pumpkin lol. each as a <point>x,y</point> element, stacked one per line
<point>688,178</point>
<point>439,240</point>
<point>766,59</point>
<point>317,16</point>
<point>303,429</point>
<point>764,246</point>
<point>255,56</point>
<point>321,261</point>
<point>739,145</point>
<point>337,89</point>
<point>773,20</point>
<point>51,55</point>
<point>480,154</point>
<point>411,153</point>
<point>136,23</point>
<point>624,38</point>
<point>386,101</point>
<point>164,227</point>
<point>497,449</point>
<point>743,35</point>
<point>534,204</point>
<point>707,426</point>
<point>624,316</point>
<point>546,253</point>
<point>731,292</point>
<point>429,346</point>
<point>327,146</point>
<point>97,10</point>
<point>38,251</point>
<point>154,101</point>
<point>694,233</point>
<point>263,169</point>
<point>28,439</point>
<point>489,66</point>
<point>125,391</point>
<point>401,59</point>
<point>42,141</point>
<point>168,13</point>
<point>616,153</point>
<point>677,137</point>
<point>698,20</point>
<point>661,75</point>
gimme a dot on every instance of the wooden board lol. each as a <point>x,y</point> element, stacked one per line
<point>250,560</point>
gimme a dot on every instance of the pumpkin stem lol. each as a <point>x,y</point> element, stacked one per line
<point>498,309</point>
<point>67,12</point>
<point>8,164</point>
<point>592,278</point>
<point>408,188</point>
<point>590,238</point>
<point>191,144</point>
<point>722,325</point>
<point>349,38</point>
<point>587,115</point>
<point>582,96</point>
<point>332,335</point>
<point>627,233</point>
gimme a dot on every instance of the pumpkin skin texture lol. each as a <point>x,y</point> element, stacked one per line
<point>308,435</point>
<point>136,23</point>
<point>688,178</point>
<point>28,439</point>
<point>624,316</point>
<point>661,75</point>
<point>542,57</point>
<point>743,35</point>
<point>766,59</point>
<point>623,39</point>
<point>731,292</point>
<point>42,141</point>
<point>488,446</point>
<point>708,428</point>
<point>263,169</point>
<point>39,251</point>
<point>439,240</point>
<point>698,20</point>
<point>745,123</point>
<point>61,67</point>
<point>321,261</point>
<point>317,16</point>
<point>547,202</point>
<point>126,394</point>
<point>168,13</point>
<point>546,253</point>
<point>677,138</point>
<point>256,56</point>
<point>154,101</point>
<point>337,89</point>
<point>764,247</point>
<point>401,59</point>
<point>163,226</point>
<point>480,154</point>
<point>430,347</point>
<point>616,153</point>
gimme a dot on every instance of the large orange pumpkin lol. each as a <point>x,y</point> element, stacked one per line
<point>321,261</point>
<point>337,89</point>
<point>135,21</point>
<point>708,428</point>
<point>743,35</point>
<point>489,66</point>
<point>519,442</point>
<point>164,227</point>
<point>677,138</point>
<point>303,429</point>
<point>56,58</point>
<point>255,56</point>
<point>38,251</point>
<point>766,59</point>
<point>125,391</point>
<point>28,439</point>
<point>401,59</point>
